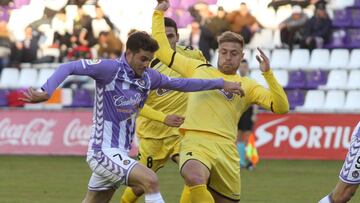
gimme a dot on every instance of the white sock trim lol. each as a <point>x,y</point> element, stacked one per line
<point>154,198</point>
<point>326,199</point>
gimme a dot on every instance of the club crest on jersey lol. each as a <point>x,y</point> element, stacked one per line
<point>162,92</point>
<point>141,83</point>
<point>92,61</point>
<point>228,95</point>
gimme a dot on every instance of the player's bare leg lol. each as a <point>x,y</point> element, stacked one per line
<point>196,176</point>
<point>342,193</point>
<point>221,199</point>
<point>349,173</point>
<point>146,179</point>
<point>98,196</point>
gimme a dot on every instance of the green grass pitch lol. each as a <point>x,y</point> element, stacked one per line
<point>39,179</point>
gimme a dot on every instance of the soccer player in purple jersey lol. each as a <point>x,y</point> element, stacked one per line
<point>349,174</point>
<point>122,86</point>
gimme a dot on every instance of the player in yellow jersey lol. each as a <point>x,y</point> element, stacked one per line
<point>157,141</point>
<point>209,162</point>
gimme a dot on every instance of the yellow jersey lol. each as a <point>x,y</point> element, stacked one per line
<point>164,101</point>
<point>216,111</point>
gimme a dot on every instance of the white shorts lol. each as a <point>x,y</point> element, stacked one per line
<point>110,167</point>
<point>350,172</point>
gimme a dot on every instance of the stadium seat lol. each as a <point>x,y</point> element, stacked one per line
<point>355,16</point>
<point>44,74</point>
<point>314,100</point>
<point>342,18</point>
<point>262,39</point>
<point>258,77</point>
<point>299,59</point>
<point>25,65</point>
<point>297,79</point>
<point>280,58</point>
<point>354,59</point>
<point>319,59</point>
<point>82,98</point>
<point>315,79</point>
<point>353,39</point>
<point>4,52</point>
<point>41,65</point>
<point>337,79</point>
<point>338,39</point>
<point>296,98</point>
<point>54,52</point>
<point>352,100</point>
<point>3,97</point>
<point>266,16</point>
<point>341,4</point>
<point>9,78</point>
<point>335,99</point>
<point>214,58</point>
<point>357,3</point>
<point>253,63</point>
<point>339,58</point>
<point>354,80</point>
<point>282,13</point>
<point>66,96</point>
<point>247,54</point>
<point>282,77</point>
<point>28,78</point>
<point>54,65</point>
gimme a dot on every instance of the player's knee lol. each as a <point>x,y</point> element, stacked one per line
<point>193,179</point>
<point>151,183</point>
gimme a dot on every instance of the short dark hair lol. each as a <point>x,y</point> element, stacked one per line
<point>171,23</point>
<point>141,40</point>
<point>244,61</point>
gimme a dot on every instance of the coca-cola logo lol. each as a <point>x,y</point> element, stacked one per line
<point>76,133</point>
<point>36,132</point>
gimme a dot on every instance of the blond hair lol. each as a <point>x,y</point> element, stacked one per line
<point>229,36</point>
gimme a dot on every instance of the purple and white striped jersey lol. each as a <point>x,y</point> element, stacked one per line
<point>119,94</point>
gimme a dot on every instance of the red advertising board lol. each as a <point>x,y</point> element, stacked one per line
<point>290,136</point>
<point>46,132</point>
<point>304,136</point>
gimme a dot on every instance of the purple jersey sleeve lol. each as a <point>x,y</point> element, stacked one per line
<point>103,71</point>
<point>182,84</point>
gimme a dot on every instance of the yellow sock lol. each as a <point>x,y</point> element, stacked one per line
<point>128,196</point>
<point>200,194</point>
<point>185,195</point>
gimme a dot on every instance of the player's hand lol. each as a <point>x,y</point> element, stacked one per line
<point>174,120</point>
<point>163,5</point>
<point>33,96</point>
<point>263,61</point>
<point>234,87</point>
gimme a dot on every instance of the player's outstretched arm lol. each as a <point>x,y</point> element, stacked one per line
<point>169,120</point>
<point>100,70</point>
<point>159,80</point>
<point>152,114</point>
<point>181,64</point>
<point>275,98</point>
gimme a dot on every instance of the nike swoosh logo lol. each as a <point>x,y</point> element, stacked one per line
<point>263,136</point>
